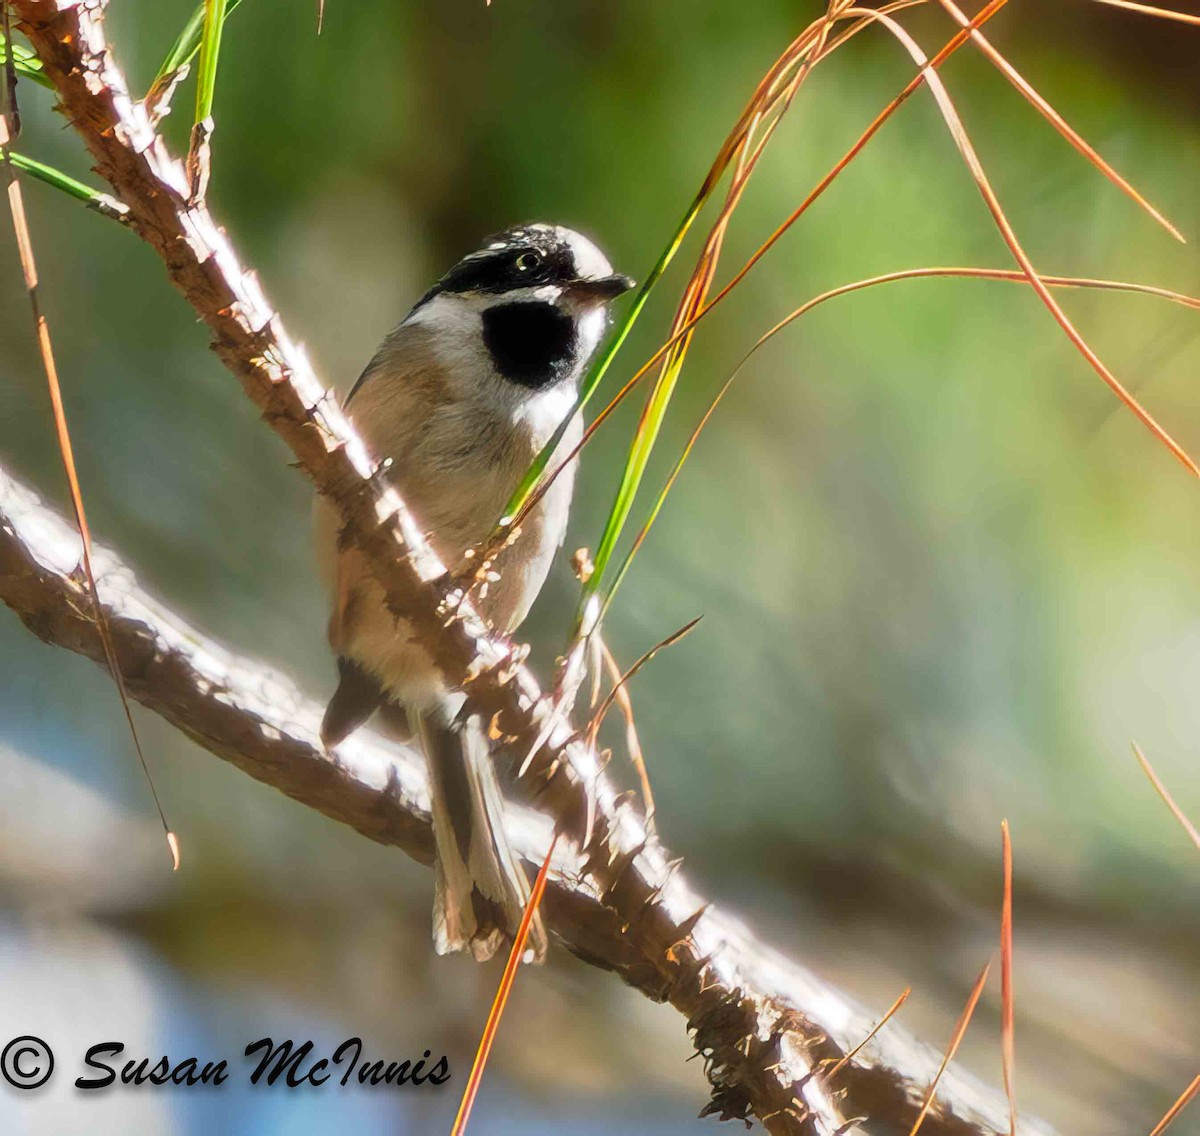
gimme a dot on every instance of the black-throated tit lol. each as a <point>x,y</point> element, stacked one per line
<point>459,399</point>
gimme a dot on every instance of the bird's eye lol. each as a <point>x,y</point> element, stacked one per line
<point>528,261</point>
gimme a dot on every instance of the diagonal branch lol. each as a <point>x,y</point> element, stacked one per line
<point>762,1023</point>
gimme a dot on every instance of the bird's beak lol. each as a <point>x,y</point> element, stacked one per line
<point>603,288</point>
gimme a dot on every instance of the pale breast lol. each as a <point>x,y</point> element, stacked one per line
<point>455,461</point>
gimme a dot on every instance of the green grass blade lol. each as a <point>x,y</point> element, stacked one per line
<point>27,66</point>
<point>210,50</point>
<point>184,49</point>
<point>93,198</point>
<point>655,409</point>
<point>25,63</point>
<point>187,43</point>
<point>670,482</point>
<point>1010,275</point>
<point>54,177</point>
<point>635,466</point>
<point>598,368</point>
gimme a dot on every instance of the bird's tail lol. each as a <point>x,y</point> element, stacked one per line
<point>358,696</point>
<point>482,889</point>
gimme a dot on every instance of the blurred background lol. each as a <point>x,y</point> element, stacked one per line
<point>945,577</point>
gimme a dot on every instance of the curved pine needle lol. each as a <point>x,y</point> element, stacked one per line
<point>42,329</point>
<point>1148,10</point>
<point>502,993</point>
<point>1005,274</point>
<point>694,296</point>
<point>526,496</point>
<point>689,311</point>
<point>768,96</point>
<point>1056,120</point>
<point>598,718</point>
<point>970,158</point>
<point>865,17</point>
<point>959,1030</point>
<point>861,24</point>
<point>1168,800</point>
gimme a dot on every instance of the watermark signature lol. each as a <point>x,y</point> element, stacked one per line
<point>27,1062</point>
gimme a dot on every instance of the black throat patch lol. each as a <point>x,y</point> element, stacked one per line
<point>531,342</point>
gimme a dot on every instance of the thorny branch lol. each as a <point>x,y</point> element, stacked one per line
<point>764,1025</point>
<point>762,1021</point>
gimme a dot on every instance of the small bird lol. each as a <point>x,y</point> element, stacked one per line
<point>455,405</point>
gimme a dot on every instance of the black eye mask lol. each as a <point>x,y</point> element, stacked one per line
<point>523,258</point>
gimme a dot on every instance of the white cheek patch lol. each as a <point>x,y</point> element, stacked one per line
<point>446,312</point>
<point>591,326</point>
<point>454,323</point>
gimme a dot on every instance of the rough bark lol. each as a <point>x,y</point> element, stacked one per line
<point>763,1024</point>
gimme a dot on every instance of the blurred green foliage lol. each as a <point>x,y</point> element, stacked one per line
<point>945,577</point>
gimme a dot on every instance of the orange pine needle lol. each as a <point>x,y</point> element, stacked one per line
<point>681,333</point>
<point>20,221</point>
<point>952,45</point>
<point>503,991</point>
<point>1007,1027</point>
<point>1055,119</point>
<point>1026,274</point>
<point>620,684</point>
<point>1148,10</point>
<point>1009,275</point>
<point>970,158</point>
<point>959,1030</point>
<point>1168,800</point>
<point>1186,1098</point>
<point>843,1062</point>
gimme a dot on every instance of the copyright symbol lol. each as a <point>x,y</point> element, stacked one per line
<point>26,1062</point>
